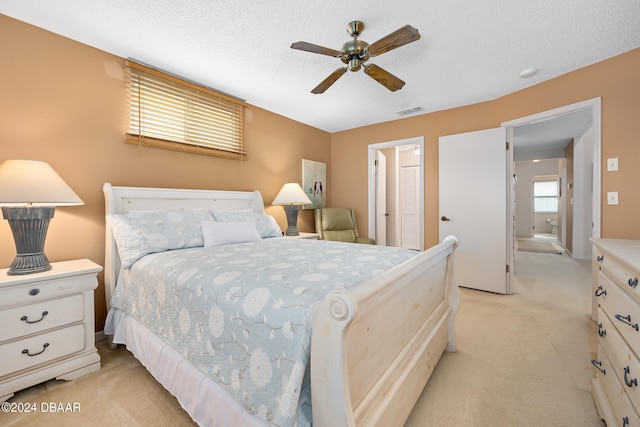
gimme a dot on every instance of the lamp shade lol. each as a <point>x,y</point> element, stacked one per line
<point>33,183</point>
<point>291,194</point>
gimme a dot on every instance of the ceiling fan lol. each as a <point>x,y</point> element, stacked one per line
<point>356,52</point>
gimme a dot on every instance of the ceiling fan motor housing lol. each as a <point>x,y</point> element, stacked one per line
<point>355,53</point>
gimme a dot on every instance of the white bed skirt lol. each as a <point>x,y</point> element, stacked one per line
<point>204,400</point>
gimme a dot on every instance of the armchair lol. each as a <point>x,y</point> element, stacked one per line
<point>339,224</point>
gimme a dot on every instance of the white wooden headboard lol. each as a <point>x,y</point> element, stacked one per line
<point>120,200</point>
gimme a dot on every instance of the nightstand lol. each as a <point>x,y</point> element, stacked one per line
<point>310,236</point>
<point>47,325</point>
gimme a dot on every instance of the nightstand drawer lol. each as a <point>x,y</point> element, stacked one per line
<point>35,350</point>
<point>31,318</point>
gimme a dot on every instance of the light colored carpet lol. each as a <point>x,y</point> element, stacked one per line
<point>522,360</point>
<point>539,245</point>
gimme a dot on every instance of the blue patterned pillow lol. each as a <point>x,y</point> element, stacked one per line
<point>266,224</point>
<point>140,233</point>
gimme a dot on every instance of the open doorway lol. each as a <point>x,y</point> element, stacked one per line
<point>563,147</point>
<point>579,214</point>
<point>396,193</point>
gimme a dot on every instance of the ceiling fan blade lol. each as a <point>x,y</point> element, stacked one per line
<point>400,37</point>
<point>326,83</point>
<point>314,48</point>
<point>383,77</point>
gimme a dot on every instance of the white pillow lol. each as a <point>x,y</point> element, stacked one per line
<point>140,233</point>
<point>223,233</point>
<point>265,224</point>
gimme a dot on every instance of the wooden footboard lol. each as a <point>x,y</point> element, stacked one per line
<point>375,346</point>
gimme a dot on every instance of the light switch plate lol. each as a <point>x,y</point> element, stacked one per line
<point>612,164</point>
<point>612,198</point>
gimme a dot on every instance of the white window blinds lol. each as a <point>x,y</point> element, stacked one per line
<point>171,113</point>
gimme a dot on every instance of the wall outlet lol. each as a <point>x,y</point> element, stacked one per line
<point>612,164</point>
<point>612,198</point>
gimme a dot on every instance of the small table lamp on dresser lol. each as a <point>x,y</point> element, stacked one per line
<point>46,310</point>
<point>291,197</point>
<point>29,192</point>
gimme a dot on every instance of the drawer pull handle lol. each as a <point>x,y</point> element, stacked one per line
<point>633,282</point>
<point>26,319</point>
<point>598,366</point>
<point>34,291</point>
<point>600,258</point>
<point>625,421</point>
<point>44,347</point>
<point>627,381</point>
<point>627,320</point>
<point>602,332</point>
<point>600,291</point>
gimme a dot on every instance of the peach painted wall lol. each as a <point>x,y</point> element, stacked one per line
<point>64,103</point>
<point>614,80</point>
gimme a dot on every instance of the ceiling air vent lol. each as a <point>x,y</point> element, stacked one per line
<point>409,111</point>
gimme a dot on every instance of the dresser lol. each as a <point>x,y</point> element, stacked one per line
<point>47,325</point>
<point>615,387</point>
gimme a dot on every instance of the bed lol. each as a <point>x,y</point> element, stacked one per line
<point>347,335</point>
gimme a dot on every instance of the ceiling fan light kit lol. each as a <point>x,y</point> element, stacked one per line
<point>356,52</point>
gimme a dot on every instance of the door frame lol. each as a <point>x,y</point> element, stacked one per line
<point>418,140</point>
<point>596,118</point>
<point>596,177</point>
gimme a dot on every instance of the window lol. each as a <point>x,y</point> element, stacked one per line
<point>545,196</point>
<point>171,113</point>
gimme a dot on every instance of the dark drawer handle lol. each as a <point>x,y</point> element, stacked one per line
<point>26,319</point>
<point>44,347</point>
<point>627,381</point>
<point>598,366</point>
<point>627,321</point>
<point>602,332</point>
<point>34,291</point>
<point>600,291</point>
<point>633,282</point>
<point>600,258</point>
<point>625,421</point>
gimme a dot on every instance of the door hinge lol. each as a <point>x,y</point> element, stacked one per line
<point>507,145</point>
<point>375,163</point>
<point>507,268</point>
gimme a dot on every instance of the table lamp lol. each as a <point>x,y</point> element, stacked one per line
<point>291,197</point>
<point>29,192</point>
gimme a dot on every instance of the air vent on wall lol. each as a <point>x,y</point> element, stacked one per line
<point>409,111</point>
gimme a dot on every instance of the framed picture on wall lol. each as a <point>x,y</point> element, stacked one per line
<point>314,183</point>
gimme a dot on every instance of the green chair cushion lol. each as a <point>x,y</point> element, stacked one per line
<point>337,219</point>
<point>340,236</point>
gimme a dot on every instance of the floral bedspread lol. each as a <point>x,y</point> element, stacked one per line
<point>243,313</point>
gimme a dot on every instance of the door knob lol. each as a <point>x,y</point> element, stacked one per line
<point>444,218</point>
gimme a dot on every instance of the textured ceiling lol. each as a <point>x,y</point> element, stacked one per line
<point>470,51</point>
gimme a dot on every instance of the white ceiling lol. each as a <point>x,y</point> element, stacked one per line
<point>470,51</point>
<point>547,139</point>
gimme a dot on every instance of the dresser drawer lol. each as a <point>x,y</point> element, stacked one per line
<point>39,349</point>
<point>624,362</point>
<point>621,309</point>
<point>32,318</point>
<point>624,413</point>
<point>620,273</point>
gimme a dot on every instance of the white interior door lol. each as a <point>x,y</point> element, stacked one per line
<point>473,206</point>
<point>409,207</point>
<point>381,198</point>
